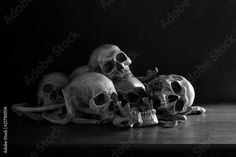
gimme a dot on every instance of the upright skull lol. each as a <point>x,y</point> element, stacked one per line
<point>50,89</point>
<point>111,61</point>
<point>132,92</point>
<point>173,92</point>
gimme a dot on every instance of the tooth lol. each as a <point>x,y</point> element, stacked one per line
<point>150,119</point>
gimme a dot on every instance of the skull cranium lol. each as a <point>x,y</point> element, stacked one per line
<point>50,89</point>
<point>172,92</point>
<point>111,61</point>
<point>132,93</point>
<point>92,98</point>
<point>50,97</point>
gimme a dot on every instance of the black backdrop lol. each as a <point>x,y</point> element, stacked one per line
<point>152,32</point>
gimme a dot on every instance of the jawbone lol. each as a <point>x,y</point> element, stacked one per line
<point>136,118</point>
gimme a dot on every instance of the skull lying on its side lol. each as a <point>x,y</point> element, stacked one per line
<point>110,61</point>
<point>172,95</point>
<point>49,94</point>
<point>92,98</point>
<point>132,93</point>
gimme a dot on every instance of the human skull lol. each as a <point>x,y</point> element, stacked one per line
<point>79,71</point>
<point>172,92</point>
<point>50,98</point>
<point>92,93</point>
<point>131,92</point>
<point>50,89</point>
<point>111,61</point>
<point>93,97</point>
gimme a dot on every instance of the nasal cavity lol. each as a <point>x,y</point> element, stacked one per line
<point>59,92</point>
<point>120,96</point>
<point>119,66</point>
<point>53,96</point>
<point>172,98</point>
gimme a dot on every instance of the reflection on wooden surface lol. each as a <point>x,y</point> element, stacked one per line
<point>217,126</point>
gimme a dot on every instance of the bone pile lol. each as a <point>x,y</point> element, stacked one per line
<point>106,92</point>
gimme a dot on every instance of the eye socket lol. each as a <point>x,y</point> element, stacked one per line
<point>172,98</point>
<point>132,97</point>
<point>121,57</point>
<point>176,87</point>
<point>47,88</point>
<point>114,97</point>
<point>179,105</point>
<point>108,67</point>
<point>100,99</point>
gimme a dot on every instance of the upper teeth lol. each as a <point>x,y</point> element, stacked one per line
<point>146,113</point>
<point>162,100</point>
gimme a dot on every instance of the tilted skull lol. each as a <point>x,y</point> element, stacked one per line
<point>172,92</point>
<point>111,61</point>
<point>91,94</point>
<point>50,89</point>
<point>132,93</point>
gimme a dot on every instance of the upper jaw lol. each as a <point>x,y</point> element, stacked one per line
<point>125,75</point>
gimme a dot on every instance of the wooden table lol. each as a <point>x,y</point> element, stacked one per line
<point>212,133</point>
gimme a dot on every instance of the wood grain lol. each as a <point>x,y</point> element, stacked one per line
<point>216,126</point>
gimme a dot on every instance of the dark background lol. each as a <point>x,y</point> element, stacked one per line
<point>135,26</point>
